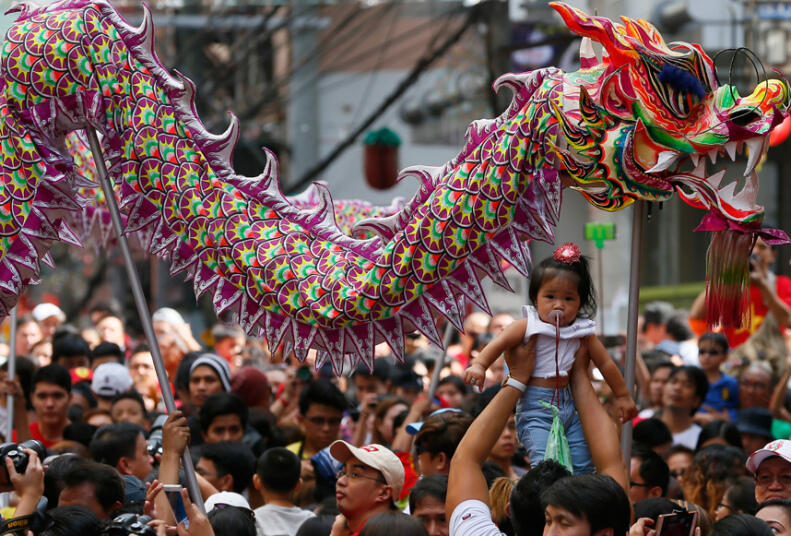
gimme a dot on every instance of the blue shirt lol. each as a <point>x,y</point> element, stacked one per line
<point>724,394</point>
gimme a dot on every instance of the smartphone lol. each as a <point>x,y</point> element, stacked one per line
<point>680,524</point>
<point>173,493</point>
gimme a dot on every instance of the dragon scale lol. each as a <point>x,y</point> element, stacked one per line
<point>285,270</point>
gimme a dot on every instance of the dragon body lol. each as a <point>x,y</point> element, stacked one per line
<point>620,129</point>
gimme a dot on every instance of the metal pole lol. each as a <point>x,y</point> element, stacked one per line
<point>9,405</point>
<point>603,330</point>
<point>441,361</point>
<point>142,307</point>
<point>631,322</point>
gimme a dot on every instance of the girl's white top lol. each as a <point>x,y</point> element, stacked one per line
<point>545,342</point>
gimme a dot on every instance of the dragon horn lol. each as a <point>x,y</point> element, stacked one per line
<point>601,30</point>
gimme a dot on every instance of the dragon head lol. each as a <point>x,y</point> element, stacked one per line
<point>649,114</point>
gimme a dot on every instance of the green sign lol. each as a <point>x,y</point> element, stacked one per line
<point>599,232</point>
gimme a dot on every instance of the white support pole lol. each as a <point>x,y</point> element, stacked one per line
<point>9,436</point>
<point>142,306</point>
<point>631,322</point>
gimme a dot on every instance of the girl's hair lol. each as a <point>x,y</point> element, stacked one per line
<point>717,338</point>
<point>550,268</point>
<point>499,496</point>
<point>711,473</point>
<point>741,525</point>
<point>722,429</point>
<point>393,524</point>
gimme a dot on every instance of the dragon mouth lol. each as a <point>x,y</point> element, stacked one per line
<point>710,190</point>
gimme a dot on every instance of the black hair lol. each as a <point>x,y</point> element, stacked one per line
<point>107,482</point>
<point>221,404</point>
<point>435,486</point>
<point>231,458</point>
<point>84,388</point>
<point>72,521</point>
<point>698,379</point>
<point>279,469</point>
<point>321,391</point>
<point>652,433</point>
<point>491,472</point>
<point>183,371</point>
<point>720,428</point>
<point>657,313</point>
<point>717,338</point>
<point>527,512</point>
<point>81,432</point>
<point>549,268</point>
<point>393,524</point>
<point>599,499</point>
<point>232,521</point>
<point>70,346</point>
<point>52,373</point>
<point>139,349</point>
<point>316,526</point>
<point>112,442</point>
<point>653,507</point>
<point>53,476</point>
<point>741,496</point>
<point>131,395</point>
<point>741,525</point>
<point>785,504</point>
<point>380,371</point>
<point>653,469</point>
<point>456,381</point>
<point>110,308</point>
<point>442,432</point>
<point>677,327</point>
<point>104,349</point>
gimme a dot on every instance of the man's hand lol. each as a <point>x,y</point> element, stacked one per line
<point>340,527</point>
<point>199,523</point>
<point>521,361</point>
<point>29,485</point>
<point>175,434</point>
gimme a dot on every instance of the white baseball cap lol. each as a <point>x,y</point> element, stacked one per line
<point>376,457</point>
<point>42,311</point>
<point>780,447</point>
<point>226,498</point>
<point>110,379</point>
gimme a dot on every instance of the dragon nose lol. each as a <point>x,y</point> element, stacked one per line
<point>744,116</point>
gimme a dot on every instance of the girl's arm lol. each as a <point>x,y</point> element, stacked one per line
<point>625,406</point>
<point>510,337</point>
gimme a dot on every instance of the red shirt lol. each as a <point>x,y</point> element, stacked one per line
<point>36,433</point>
<point>758,311</point>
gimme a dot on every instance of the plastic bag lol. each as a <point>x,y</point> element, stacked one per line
<point>557,448</point>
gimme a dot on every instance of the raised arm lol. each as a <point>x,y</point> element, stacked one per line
<point>466,481</point>
<point>777,404</point>
<point>511,336</point>
<point>600,431</point>
<point>626,407</point>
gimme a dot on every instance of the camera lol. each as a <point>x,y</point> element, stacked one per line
<point>125,524</point>
<point>18,456</point>
<point>154,441</point>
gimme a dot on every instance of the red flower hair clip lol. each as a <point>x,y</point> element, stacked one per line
<point>568,253</point>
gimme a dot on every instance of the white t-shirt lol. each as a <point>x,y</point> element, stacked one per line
<point>472,518</point>
<point>272,520</point>
<point>688,438</point>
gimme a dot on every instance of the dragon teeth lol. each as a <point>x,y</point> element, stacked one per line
<point>748,196</point>
<point>755,148</point>
<point>695,159</point>
<point>700,168</point>
<point>730,148</point>
<point>716,179</point>
<point>713,156</point>
<point>664,161</point>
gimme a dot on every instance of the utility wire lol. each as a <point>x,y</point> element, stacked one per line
<point>422,64</point>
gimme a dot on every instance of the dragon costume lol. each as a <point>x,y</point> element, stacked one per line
<point>621,129</point>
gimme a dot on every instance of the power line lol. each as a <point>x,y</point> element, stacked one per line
<point>420,66</point>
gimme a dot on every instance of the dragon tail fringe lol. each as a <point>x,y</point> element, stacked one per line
<point>728,279</point>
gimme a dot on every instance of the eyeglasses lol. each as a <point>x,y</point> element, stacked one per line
<point>356,475</point>
<point>678,473</point>
<point>324,421</point>
<point>709,351</point>
<point>765,480</point>
<point>640,485</point>
<point>723,505</point>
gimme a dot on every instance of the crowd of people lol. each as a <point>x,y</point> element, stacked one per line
<point>285,447</point>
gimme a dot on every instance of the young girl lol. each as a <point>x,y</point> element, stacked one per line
<point>561,291</point>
